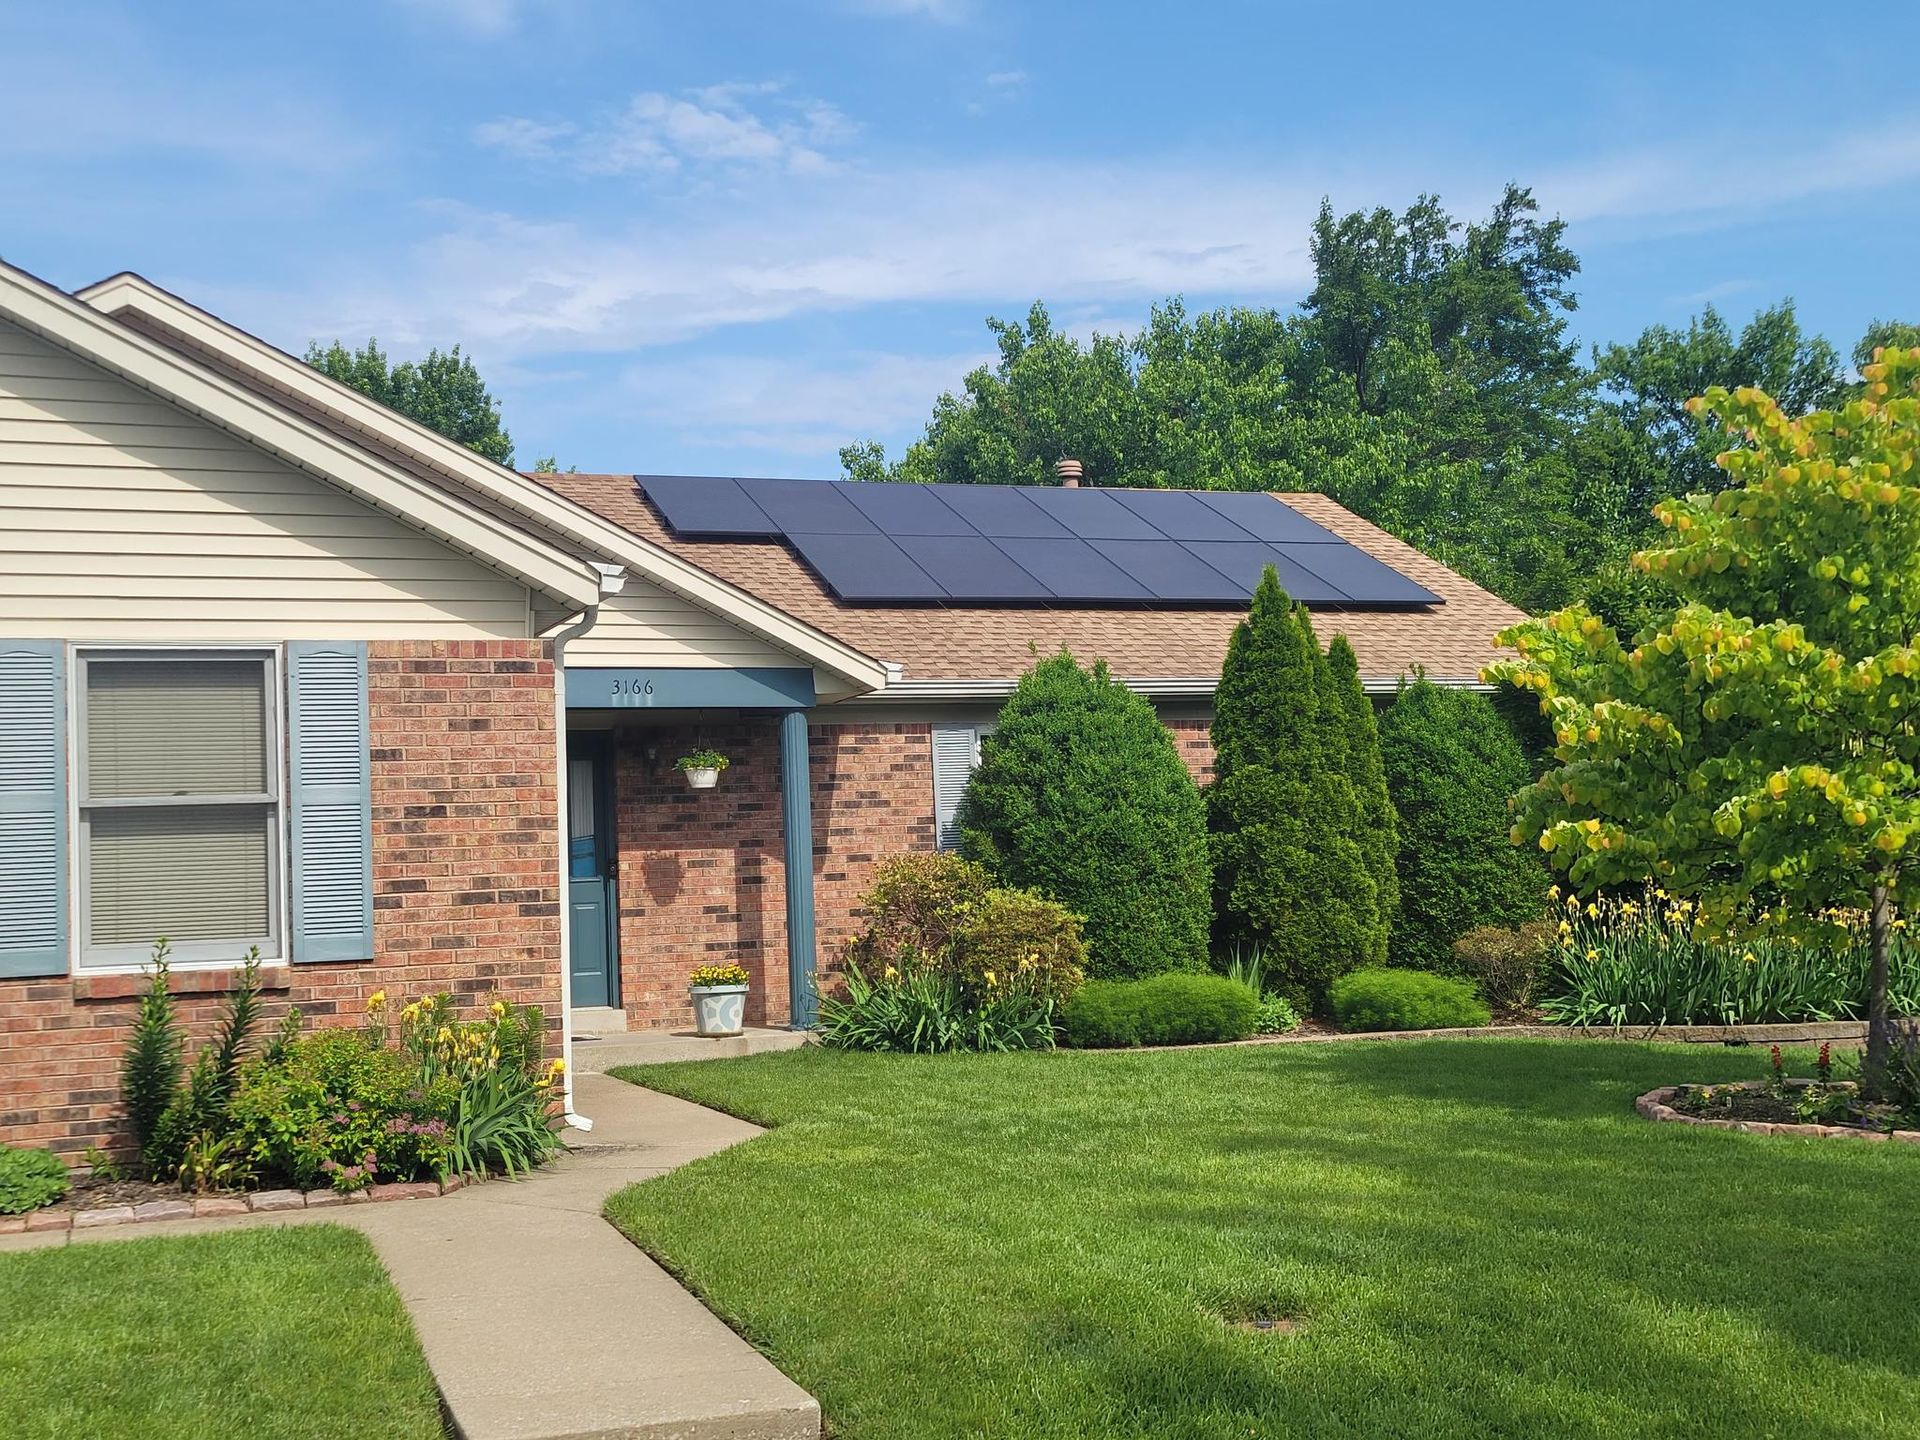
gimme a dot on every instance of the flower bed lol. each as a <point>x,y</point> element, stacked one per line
<point>1747,1106</point>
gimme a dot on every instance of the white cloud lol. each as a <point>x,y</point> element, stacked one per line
<point>801,405</point>
<point>1007,80</point>
<point>658,133</point>
<point>481,17</point>
<point>944,12</point>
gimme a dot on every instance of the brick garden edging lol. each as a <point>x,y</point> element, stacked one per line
<point>1809,1032</point>
<point>206,1207</point>
<point>1653,1106</point>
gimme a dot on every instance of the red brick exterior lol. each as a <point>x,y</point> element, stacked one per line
<point>466,889</point>
<point>702,876</point>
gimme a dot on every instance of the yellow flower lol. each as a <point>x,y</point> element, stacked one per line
<point>556,1066</point>
<point>1592,955</point>
<point>1565,928</point>
<point>498,1008</point>
<point>992,979</point>
<point>411,1012</point>
<point>1553,892</point>
<point>376,999</point>
<point>1751,958</point>
<point>890,973</point>
<point>1593,910</point>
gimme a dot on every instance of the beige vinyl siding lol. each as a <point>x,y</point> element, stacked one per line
<point>123,517</point>
<point>646,625</point>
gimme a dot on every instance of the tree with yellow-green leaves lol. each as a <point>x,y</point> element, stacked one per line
<point>1758,750</point>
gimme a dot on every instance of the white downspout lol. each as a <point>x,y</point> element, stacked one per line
<point>613,580</point>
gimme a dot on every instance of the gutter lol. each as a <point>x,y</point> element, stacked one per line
<point>613,579</point>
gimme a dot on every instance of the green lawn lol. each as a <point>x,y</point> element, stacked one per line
<point>1482,1237</point>
<point>263,1333</point>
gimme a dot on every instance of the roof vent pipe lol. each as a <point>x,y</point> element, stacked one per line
<point>1069,472</point>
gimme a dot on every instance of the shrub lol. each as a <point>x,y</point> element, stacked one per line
<point>944,912</point>
<point>1160,1010</point>
<point>922,1008</point>
<point>197,1115</point>
<point>1404,1000</point>
<point>1644,961</point>
<point>1276,1015</point>
<point>1357,745</point>
<point>150,1070</point>
<point>340,1108</point>
<point>1081,795</point>
<point>1505,961</point>
<point>505,1113</point>
<point>1291,870</point>
<point>1452,764</point>
<point>30,1179</point>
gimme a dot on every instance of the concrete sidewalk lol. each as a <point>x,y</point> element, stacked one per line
<point>539,1320</point>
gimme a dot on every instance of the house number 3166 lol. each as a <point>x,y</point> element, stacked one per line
<point>632,687</point>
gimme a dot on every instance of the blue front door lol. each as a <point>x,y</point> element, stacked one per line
<point>593,905</point>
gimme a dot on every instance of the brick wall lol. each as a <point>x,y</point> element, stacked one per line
<point>465,889</point>
<point>702,873</point>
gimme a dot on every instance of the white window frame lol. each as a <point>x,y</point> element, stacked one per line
<point>196,954</point>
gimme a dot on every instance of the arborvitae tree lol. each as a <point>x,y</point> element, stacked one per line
<point>1451,764</point>
<point>1290,871</point>
<point>1081,794</point>
<point>1359,743</point>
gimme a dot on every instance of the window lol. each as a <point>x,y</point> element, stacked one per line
<point>179,804</point>
<point>956,751</point>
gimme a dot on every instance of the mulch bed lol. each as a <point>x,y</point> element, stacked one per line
<point>1754,1108</point>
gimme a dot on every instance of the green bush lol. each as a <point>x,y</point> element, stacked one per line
<point>1160,1010</point>
<point>150,1069</point>
<point>1505,961</point>
<point>1297,869</point>
<point>1643,961</point>
<point>1452,764</point>
<point>30,1179</point>
<point>342,1109</point>
<point>921,1008</point>
<point>1404,1000</point>
<point>942,913</point>
<point>1081,795</point>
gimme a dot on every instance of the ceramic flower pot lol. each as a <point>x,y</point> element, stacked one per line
<point>719,1009</point>
<point>703,778</point>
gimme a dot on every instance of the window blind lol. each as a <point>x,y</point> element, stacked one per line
<point>176,727</point>
<point>189,872</point>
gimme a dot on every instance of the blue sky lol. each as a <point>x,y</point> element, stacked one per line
<point>731,237</point>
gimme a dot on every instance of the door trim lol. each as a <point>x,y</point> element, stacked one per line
<point>598,747</point>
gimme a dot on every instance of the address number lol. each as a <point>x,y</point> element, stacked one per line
<point>632,687</point>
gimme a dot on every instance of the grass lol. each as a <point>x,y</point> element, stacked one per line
<point>1481,1237</point>
<point>266,1333</point>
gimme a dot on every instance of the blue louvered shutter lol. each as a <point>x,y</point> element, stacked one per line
<point>329,774</point>
<point>33,808</point>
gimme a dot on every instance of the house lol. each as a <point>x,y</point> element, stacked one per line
<point>280,668</point>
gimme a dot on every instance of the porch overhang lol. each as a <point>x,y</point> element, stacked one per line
<point>654,687</point>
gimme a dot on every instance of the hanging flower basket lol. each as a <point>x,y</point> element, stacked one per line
<point>702,768</point>
<point>719,999</point>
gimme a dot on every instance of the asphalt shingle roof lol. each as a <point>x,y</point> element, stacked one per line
<point>998,642</point>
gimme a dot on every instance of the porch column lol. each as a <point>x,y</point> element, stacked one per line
<point>796,809</point>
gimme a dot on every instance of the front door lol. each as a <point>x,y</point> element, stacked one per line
<point>593,906</point>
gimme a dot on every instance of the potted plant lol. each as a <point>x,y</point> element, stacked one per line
<point>702,768</point>
<point>719,999</point>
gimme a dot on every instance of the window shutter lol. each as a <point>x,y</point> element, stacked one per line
<point>955,750</point>
<point>331,795</point>
<point>33,808</point>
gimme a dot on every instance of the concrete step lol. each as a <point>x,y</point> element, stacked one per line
<point>656,1047</point>
<point>599,1020</point>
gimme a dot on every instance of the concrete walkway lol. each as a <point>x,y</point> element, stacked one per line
<point>539,1320</point>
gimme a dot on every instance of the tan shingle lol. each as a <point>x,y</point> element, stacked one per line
<point>989,642</point>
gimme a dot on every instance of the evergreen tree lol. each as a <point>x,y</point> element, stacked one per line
<point>1451,763</point>
<point>1082,795</point>
<point>1291,873</point>
<point>1357,736</point>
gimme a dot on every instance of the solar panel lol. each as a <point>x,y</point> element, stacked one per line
<point>809,507</point>
<point>1000,510</point>
<point>705,505</point>
<point>1036,544</point>
<point>1264,517</point>
<point>1366,581</point>
<point>1074,570</point>
<point>1170,572</point>
<point>971,567</point>
<point>907,510</point>
<point>1244,561</point>
<point>866,567</point>
<point>1090,514</point>
<point>1179,516</point>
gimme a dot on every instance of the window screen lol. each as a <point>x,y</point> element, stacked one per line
<point>179,804</point>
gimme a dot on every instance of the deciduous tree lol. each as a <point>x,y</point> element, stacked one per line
<point>444,392</point>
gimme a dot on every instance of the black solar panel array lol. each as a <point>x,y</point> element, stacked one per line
<point>1034,544</point>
